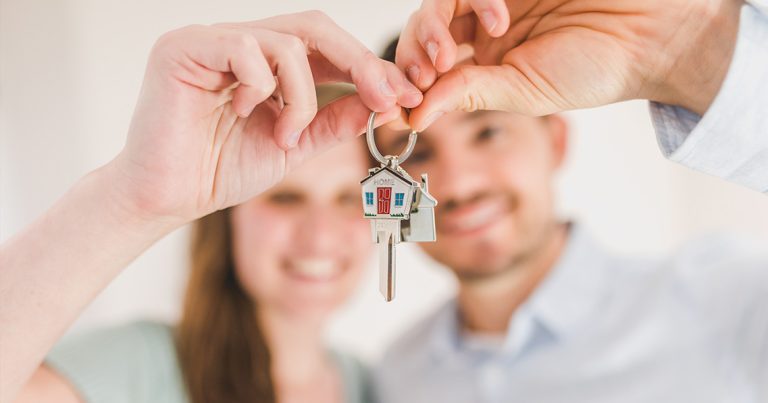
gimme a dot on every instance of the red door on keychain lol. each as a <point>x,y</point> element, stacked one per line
<point>383,195</point>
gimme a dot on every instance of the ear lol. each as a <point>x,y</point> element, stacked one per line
<point>558,130</point>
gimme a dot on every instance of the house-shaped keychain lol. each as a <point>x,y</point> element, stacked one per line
<point>391,194</point>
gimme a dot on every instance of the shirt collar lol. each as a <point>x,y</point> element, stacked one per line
<point>571,292</point>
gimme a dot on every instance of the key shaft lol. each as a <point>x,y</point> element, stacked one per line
<point>387,238</point>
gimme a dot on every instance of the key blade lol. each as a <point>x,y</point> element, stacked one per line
<point>387,237</point>
<point>387,266</point>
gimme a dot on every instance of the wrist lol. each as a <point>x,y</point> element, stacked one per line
<point>127,205</point>
<point>698,73</point>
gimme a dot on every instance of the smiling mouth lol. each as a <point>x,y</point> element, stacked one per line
<point>472,219</point>
<point>315,270</point>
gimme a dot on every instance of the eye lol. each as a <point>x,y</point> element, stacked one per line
<point>489,133</point>
<point>285,198</point>
<point>349,198</point>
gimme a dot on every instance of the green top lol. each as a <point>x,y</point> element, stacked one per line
<point>137,363</point>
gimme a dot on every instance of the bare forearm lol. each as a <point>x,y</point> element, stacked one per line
<point>54,268</point>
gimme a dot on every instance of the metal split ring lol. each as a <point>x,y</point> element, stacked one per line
<point>385,160</point>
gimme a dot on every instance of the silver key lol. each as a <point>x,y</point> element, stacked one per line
<point>400,208</point>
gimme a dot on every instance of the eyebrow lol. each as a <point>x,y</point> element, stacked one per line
<point>477,114</point>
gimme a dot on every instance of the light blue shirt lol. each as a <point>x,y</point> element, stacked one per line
<point>690,328</point>
<point>731,139</point>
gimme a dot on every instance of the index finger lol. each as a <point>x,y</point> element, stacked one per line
<point>433,32</point>
<point>378,90</point>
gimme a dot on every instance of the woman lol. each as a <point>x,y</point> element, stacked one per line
<point>212,129</point>
<point>265,276</point>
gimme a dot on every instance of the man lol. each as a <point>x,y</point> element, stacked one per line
<point>543,313</point>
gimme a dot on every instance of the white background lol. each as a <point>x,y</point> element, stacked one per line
<point>70,72</point>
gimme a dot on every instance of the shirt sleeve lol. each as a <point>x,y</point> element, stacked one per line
<point>731,139</point>
<point>126,364</point>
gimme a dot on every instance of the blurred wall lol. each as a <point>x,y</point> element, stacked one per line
<point>70,72</point>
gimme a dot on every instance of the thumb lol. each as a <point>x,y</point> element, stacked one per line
<point>337,122</point>
<point>471,88</point>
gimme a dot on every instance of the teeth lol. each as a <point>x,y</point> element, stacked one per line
<point>477,218</point>
<point>319,269</point>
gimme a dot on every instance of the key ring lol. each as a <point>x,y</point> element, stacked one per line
<point>385,160</point>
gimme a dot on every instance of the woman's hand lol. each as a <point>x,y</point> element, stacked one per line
<point>212,128</point>
<point>538,57</point>
<point>226,110</point>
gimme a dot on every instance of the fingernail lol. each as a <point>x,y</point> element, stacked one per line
<point>293,139</point>
<point>386,89</point>
<point>489,20</point>
<point>413,73</point>
<point>432,50</point>
<point>432,118</point>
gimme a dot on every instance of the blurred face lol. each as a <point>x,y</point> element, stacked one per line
<point>300,247</point>
<point>492,174</point>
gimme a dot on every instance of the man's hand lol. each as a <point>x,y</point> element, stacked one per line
<point>539,57</point>
<point>226,110</point>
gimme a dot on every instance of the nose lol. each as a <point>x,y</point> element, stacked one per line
<point>318,231</point>
<point>458,176</point>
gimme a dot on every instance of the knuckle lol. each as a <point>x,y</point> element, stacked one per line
<point>471,101</point>
<point>286,45</point>
<point>316,17</point>
<point>172,38</point>
<point>241,41</point>
<point>368,57</point>
<point>415,18</point>
<point>366,65</point>
<point>292,44</point>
